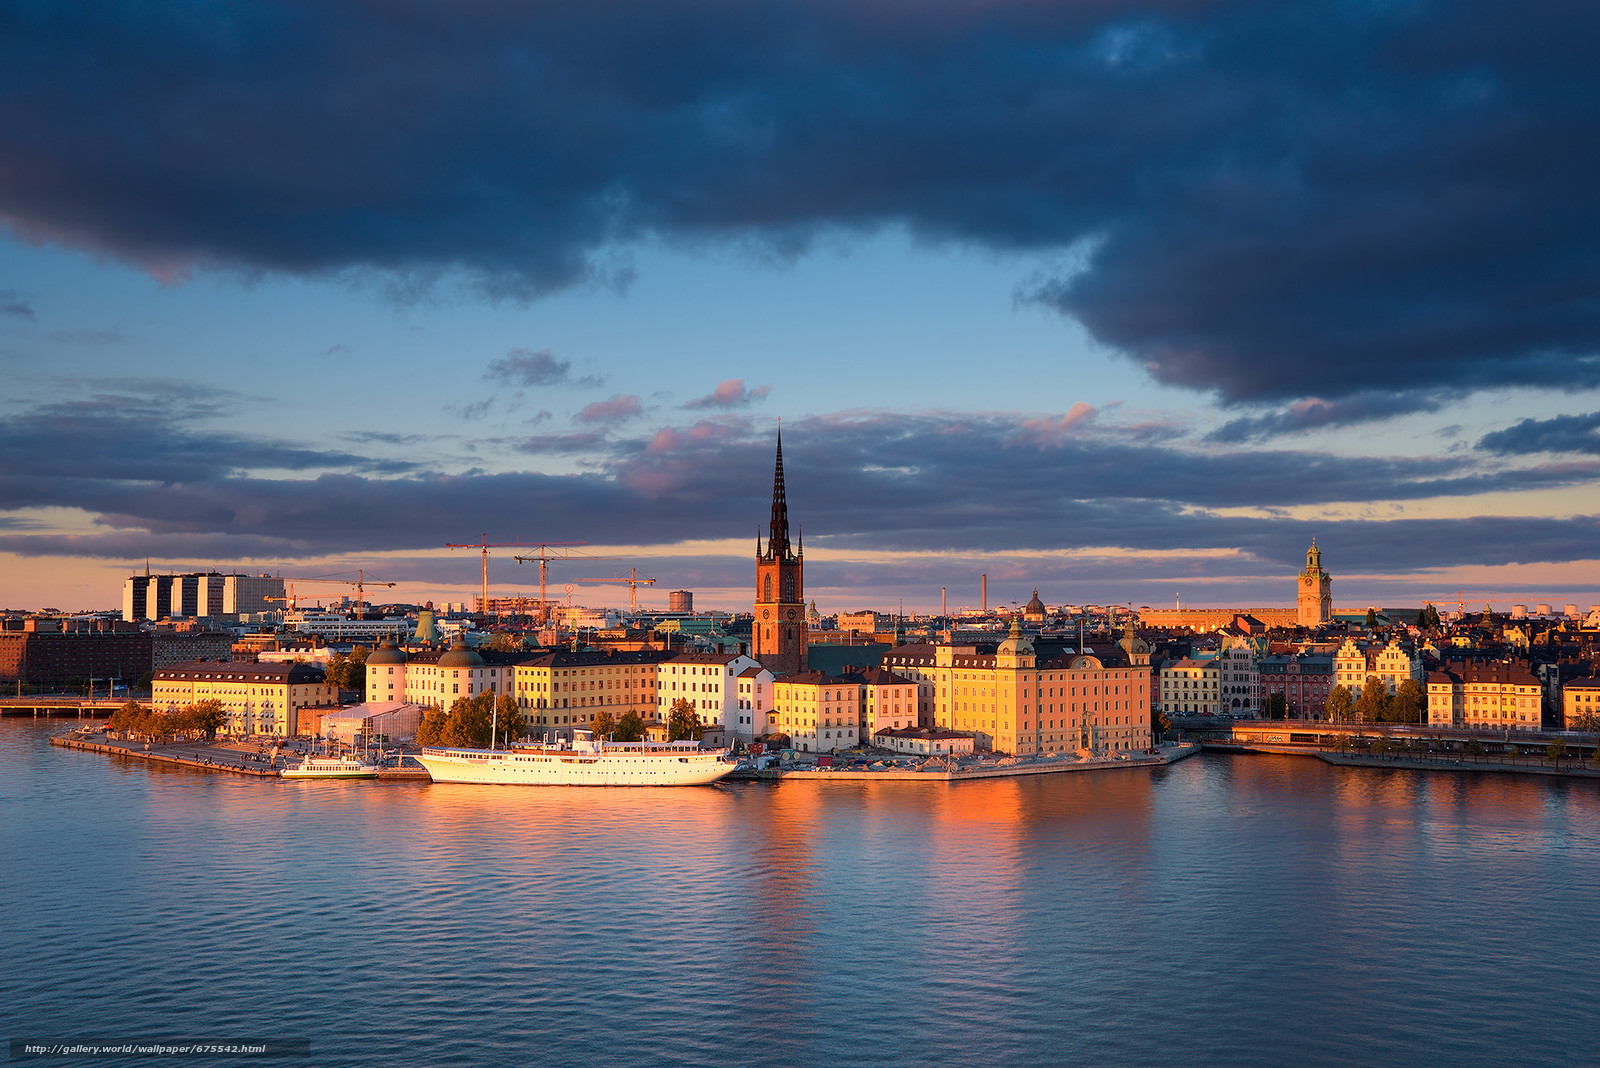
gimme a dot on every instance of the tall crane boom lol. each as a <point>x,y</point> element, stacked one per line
<point>485,545</point>
<point>360,582</point>
<point>630,580</point>
<point>554,550</point>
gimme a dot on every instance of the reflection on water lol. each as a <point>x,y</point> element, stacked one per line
<point>1227,910</point>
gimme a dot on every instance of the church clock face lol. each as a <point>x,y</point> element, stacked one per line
<point>766,613</point>
<point>791,613</point>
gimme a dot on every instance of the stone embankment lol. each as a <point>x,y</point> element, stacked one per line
<point>997,770</point>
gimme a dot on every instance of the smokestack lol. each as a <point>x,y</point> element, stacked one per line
<point>986,591</point>
<point>943,611</point>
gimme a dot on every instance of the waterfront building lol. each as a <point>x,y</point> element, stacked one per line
<point>819,712</point>
<point>888,702</point>
<point>1303,679</point>
<point>1315,603</point>
<point>725,689</point>
<point>1501,695</point>
<point>1238,680</point>
<point>1095,699</point>
<point>925,741</point>
<point>1393,664</point>
<point>566,688</point>
<point>1191,687</point>
<point>1580,704</point>
<point>51,651</point>
<point>434,678</point>
<point>258,698</point>
<point>779,634</point>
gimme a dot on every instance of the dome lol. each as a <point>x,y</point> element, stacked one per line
<point>460,656</point>
<point>1035,606</point>
<point>387,652</point>
<point>1016,644</point>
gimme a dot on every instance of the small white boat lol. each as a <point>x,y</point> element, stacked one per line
<point>331,767</point>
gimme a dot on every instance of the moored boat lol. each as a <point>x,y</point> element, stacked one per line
<point>585,762</point>
<point>330,767</point>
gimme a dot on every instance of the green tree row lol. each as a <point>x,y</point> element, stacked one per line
<point>349,672</point>
<point>683,724</point>
<point>1408,704</point>
<point>473,722</point>
<point>202,719</point>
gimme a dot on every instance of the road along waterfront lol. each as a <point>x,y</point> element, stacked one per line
<point>1224,910</point>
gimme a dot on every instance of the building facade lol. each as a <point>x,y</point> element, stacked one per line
<point>1094,700</point>
<point>258,698</point>
<point>51,652</point>
<point>1485,696</point>
<point>1304,680</point>
<point>198,595</point>
<point>1580,704</point>
<point>779,634</point>
<point>725,690</point>
<point>819,712</point>
<point>1393,664</point>
<point>564,689</point>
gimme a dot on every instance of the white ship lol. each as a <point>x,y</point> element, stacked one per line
<point>585,763</point>
<point>329,767</point>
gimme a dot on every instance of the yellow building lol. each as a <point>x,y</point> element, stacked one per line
<point>888,702</point>
<point>1580,704</point>
<point>258,698</point>
<point>563,689</point>
<point>1498,696</point>
<point>1394,663</point>
<point>1095,700</point>
<point>819,713</point>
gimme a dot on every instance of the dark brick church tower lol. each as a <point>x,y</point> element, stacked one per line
<point>779,634</point>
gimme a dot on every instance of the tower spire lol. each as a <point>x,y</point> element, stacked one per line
<point>778,535</point>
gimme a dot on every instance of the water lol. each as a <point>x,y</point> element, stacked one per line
<point>1229,910</point>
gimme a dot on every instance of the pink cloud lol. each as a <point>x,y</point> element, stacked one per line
<point>1053,430</point>
<point>622,406</point>
<point>730,393</point>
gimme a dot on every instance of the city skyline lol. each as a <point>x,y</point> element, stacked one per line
<point>1123,306</point>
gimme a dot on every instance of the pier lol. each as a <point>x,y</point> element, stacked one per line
<point>234,758</point>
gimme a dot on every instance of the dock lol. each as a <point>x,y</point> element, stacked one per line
<point>224,758</point>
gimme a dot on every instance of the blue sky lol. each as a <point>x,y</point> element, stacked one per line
<point>1126,302</point>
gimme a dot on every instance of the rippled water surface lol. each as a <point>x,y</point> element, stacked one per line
<point>1229,910</point>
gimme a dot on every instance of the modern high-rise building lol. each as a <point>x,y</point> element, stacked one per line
<point>197,595</point>
<point>780,631</point>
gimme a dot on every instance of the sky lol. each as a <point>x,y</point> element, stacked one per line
<point>1125,302</point>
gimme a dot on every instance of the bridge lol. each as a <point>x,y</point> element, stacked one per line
<point>61,704</point>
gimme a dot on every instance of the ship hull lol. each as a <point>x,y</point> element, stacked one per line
<point>565,767</point>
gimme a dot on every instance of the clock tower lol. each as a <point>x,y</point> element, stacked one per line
<point>1316,591</point>
<point>779,633</point>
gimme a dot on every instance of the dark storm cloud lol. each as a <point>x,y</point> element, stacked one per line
<point>960,484</point>
<point>1317,414</point>
<point>1269,200</point>
<point>1563,433</point>
<point>52,452</point>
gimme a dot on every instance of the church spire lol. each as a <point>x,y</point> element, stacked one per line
<point>778,536</point>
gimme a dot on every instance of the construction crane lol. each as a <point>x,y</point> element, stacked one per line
<point>562,550</point>
<point>630,580</point>
<point>484,546</point>
<point>360,582</point>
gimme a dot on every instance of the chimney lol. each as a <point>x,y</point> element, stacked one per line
<point>985,592</point>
